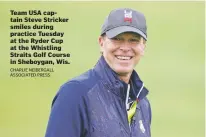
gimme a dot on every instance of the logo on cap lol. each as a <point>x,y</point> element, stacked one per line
<point>127,16</point>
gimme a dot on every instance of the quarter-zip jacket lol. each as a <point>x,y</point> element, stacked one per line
<point>93,105</point>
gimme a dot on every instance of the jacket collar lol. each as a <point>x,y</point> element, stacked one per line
<point>112,82</point>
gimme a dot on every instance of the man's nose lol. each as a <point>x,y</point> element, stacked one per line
<point>125,46</point>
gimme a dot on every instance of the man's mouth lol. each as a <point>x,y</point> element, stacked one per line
<point>123,57</point>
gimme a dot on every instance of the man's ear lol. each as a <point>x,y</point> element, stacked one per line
<point>101,43</point>
<point>143,46</point>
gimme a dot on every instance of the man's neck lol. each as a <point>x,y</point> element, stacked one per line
<point>125,77</point>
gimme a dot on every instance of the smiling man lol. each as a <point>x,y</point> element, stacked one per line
<point>122,52</point>
<point>110,99</point>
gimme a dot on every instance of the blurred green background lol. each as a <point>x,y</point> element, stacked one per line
<point>172,68</point>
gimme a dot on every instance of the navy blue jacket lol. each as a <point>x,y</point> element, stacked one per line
<point>93,105</point>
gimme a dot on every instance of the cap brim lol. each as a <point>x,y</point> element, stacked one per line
<point>118,30</point>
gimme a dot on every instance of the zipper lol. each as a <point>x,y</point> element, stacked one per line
<point>133,121</point>
<point>131,126</point>
<point>126,105</point>
<point>127,126</point>
<point>124,109</point>
<point>127,97</point>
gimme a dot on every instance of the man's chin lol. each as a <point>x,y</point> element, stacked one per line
<point>123,72</point>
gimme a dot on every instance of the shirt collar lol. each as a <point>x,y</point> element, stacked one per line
<point>111,80</point>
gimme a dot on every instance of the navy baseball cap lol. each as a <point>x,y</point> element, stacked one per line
<point>124,20</point>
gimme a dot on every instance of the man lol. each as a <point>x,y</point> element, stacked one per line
<point>110,99</point>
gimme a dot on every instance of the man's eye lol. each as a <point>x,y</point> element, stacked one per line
<point>116,39</point>
<point>134,40</point>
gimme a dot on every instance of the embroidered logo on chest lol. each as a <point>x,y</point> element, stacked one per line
<point>141,126</point>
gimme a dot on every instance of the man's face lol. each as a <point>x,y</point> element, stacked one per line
<point>123,52</point>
